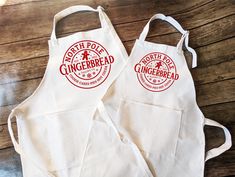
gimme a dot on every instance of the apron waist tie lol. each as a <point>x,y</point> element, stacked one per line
<point>19,149</point>
<point>224,147</point>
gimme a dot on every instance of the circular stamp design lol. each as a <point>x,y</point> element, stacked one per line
<point>86,64</point>
<point>156,72</point>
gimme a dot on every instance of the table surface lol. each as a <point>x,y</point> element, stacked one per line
<point>25,27</point>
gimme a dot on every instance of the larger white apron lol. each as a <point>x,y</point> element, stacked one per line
<point>157,110</point>
<point>56,122</point>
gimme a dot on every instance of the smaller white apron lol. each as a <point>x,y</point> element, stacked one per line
<point>155,105</point>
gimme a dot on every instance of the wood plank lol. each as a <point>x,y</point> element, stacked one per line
<point>216,53</point>
<point>223,113</point>
<point>24,70</point>
<point>5,140</point>
<point>15,2</point>
<point>201,73</point>
<point>10,165</point>
<point>188,20</point>
<point>201,40</point>
<point>114,3</point>
<point>222,166</point>
<point>37,18</point>
<point>212,53</point>
<point>23,50</point>
<point>207,34</point>
<point>215,136</point>
<point>215,34</point>
<point>214,93</point>
<point>204,14</point>
<point>4,112</point>
<point>14,93</point>
<point>214,73</point>
<point>39,47</point>
<point>211,33</point>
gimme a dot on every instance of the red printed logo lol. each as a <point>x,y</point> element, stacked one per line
<point>156,72</point>
<point>86,64</point>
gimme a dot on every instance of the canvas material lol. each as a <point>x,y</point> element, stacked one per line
<point>109,153</point>
<point>56,125</point>
<point>160,116</point>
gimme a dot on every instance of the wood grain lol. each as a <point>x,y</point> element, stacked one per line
<point>130,31</point>
<point>214,73</point>
<point>222,166</point>
<point>223,113</point>
<point>40,16</point>
<point>216,31</point>
<point>14,93</point>
<point>25,27</point>
<point>214,93</point>
<point>25,69</point>
<point>207,94</point>
<point>15,2</point>
<point>5,140</point>
<point>17,71</point>
<point>4,112</point>
<point>216,52</point>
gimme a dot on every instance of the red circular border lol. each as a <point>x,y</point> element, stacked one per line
<point>163,82</point>
<point>109,65</point>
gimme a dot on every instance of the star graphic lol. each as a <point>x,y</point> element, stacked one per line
<point>158,65</point>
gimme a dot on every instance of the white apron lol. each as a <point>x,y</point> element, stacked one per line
<point>157,110</point>
<point>56,122</point>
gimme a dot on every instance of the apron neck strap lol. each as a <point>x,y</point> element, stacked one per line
<point>184,39</point>
<point>74,9</point>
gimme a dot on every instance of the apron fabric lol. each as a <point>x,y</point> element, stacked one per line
<point>155,105</point>
<point>63,119</point>
<point>110,154</point>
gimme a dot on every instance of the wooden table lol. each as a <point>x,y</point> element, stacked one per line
<point>26,26</point>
